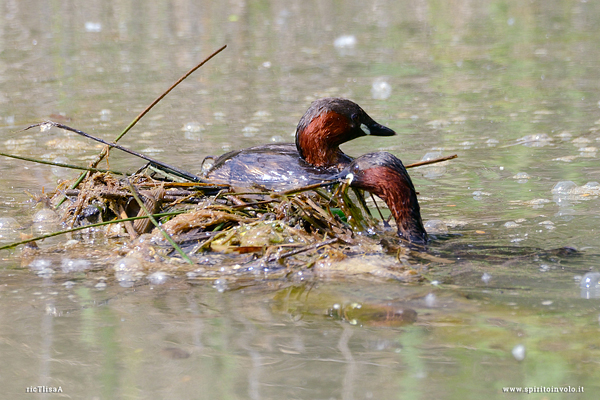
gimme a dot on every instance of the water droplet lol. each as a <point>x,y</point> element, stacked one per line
<point>74,265</point>
<point>125,279</point>
<point>220,285</point>
<point>158,278</point>
<point>250,131</point>
<point>93,26</point>
<point>45,221</point>
<point>564,187</point>
<point>192,127</point>
<point>590,280</point>
<point>518,352</point>
<point>430,300</point>
<point>436,226</point>
<point>486,278</point>
<point>100,285</point>
<point>381,89</point>
<point>8,229</point>
<point>345,42</point>
<point>127,264</point>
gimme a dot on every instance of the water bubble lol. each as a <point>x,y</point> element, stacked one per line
<point>61,171</point>
<point>590,285</point>
<point>435,170</point>
<point>436,226</point>
<point>192,127</point>
<point>158,278</point>
<point>8,229</point>
<point>536,140</point>
<point>45,221</point>
<point>40,264</point>
<point>564,187</point>
<point>74,265</point>
<point>381,89</point>
<point>220,285</point>
<point>430,300</point>
<point>345,42</point>
<point>46,272</point>
<point>100,285</point>
<point>250,131</point>
<point>125,279</point>
<point>518,352</point>
<point>91,26</point>
<point>128,264</point>
<point>432,155</point>
<point>486,278</point>
<point>105,114</point>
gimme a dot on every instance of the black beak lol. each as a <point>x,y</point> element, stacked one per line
<point>376,129</point>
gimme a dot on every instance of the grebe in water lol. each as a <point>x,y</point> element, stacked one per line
<point>314,157</point>
<point>384,175</point>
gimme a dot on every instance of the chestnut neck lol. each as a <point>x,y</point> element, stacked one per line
<point>318,143</point>
<point>398,192</point>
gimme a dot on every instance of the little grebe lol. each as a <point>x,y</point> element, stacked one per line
<point>316,155</point>
<point>384,175</point>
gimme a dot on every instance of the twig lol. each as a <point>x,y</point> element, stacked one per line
<point>155,222</point>
<point>313,246</point>
<point>59,164</point>
<point>104,151</point>
<point>427,162</point>
<point>159,98</point>
<point>57,233</point>
<point>310,187</point>
<point>172,169</point>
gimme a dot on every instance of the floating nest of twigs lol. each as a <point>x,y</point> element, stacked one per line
<point>213,230</point>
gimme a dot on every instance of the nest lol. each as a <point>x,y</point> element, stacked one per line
<point>217,228</point>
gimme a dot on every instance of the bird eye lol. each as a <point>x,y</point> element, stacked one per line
<point>355,117</point>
